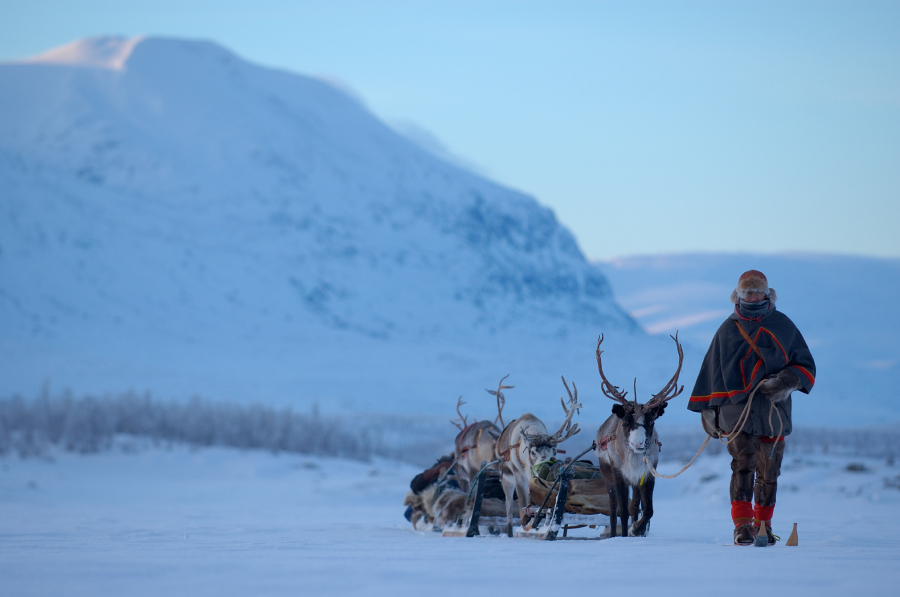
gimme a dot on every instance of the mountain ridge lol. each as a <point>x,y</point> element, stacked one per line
<point>190,212</point>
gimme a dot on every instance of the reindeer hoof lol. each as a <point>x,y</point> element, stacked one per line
<point>636,531</point>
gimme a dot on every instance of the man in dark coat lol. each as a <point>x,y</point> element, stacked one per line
<point>755,361</point>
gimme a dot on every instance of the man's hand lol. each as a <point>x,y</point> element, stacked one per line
<point>778,387</point>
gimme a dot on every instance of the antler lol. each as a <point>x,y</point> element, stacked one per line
<point>610,391</point>
<point>567,429</point>
<point>463,419</point>
<point>671,389</point>
<point>501,399</point>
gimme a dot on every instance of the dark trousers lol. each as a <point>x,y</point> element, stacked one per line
<point>749,457</point>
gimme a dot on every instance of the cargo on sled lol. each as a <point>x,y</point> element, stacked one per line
<point>564,496</point>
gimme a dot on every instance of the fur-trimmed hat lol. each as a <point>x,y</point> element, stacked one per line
<point>752,280</point>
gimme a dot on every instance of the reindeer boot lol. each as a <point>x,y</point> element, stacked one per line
<point>745,534</point>
<point>771,538</point>
<point>762,522</point>
<point>742,515</point>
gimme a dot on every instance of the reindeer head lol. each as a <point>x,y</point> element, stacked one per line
<point>637,420</point>
<point>637,424</point>
<point>542,447</point>
<point>539,448</point>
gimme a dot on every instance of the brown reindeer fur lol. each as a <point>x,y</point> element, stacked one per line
<point>423,504</point>
<point>446,508</point>
<point>475,444</point>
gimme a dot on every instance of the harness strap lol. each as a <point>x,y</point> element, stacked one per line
<point>748,339</point>
<point>505,454</point>
<point>519,458</point>
<point>604,441</point>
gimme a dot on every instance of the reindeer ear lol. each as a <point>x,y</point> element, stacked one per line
<point>619,410</point>
<point>659,410</point>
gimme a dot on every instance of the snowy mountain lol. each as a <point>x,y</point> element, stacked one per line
<point>177,219</point>
<point>842,304</point>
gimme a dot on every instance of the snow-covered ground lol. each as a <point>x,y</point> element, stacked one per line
<point>177,521</point>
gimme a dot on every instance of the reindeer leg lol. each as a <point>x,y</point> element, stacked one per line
<point>634,507</point>
<point>622,490</point>
<point>524,494</point>
<point>607,473</point>
<point>640,528</point>
<point>508,481</point>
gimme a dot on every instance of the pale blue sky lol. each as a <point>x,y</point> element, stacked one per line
<point>647,127</point>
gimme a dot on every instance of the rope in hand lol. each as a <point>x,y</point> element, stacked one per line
<point>661,476</point>
<point>742,420</point>
<point>745,417</point>
<point>780,428</point>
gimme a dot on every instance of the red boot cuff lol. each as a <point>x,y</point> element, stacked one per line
<point>763,512</point>
<point>741,513</point>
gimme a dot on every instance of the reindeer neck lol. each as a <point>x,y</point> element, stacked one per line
<point>620,437</point>
<point>503,441</point>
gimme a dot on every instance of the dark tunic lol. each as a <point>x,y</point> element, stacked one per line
<point>731,369</point>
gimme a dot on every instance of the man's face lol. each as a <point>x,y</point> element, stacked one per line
<point>754,297</point>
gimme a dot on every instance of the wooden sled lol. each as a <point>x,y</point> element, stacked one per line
<point>567,503</point>
<point>473,524</point>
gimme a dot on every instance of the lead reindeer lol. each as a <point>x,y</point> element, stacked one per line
<point>623,441</point>
<point>524,444</point>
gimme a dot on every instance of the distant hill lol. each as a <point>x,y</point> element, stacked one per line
<point>175,218</point>
<point>843,305</point>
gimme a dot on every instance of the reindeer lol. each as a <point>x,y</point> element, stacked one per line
<point>475,443</point>
<point>523,445</point>
<point>623,441</point>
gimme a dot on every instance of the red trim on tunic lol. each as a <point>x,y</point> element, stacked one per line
<point>783,351</point>
<point>759,362</point>
<point>731,393</point>
<point>806,373</point>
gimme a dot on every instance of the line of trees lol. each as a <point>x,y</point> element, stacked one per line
<point>31,427</point>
